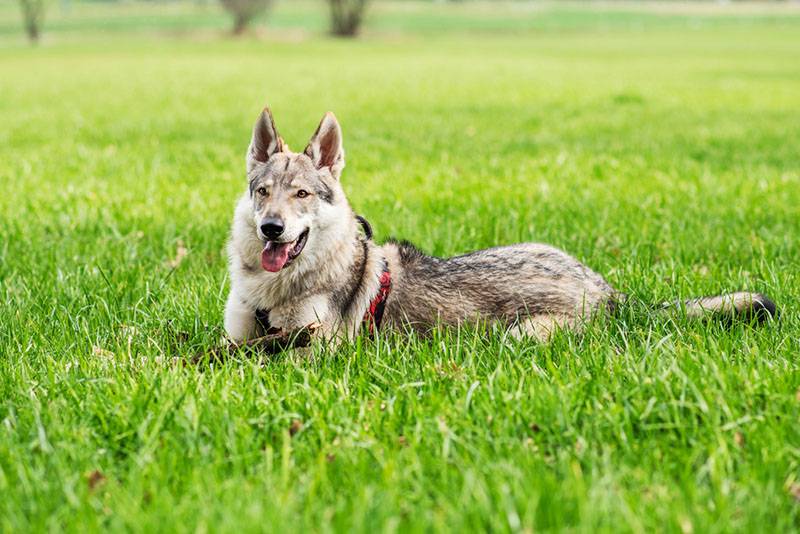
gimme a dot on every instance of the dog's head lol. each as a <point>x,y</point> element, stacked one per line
<point>296,197</point>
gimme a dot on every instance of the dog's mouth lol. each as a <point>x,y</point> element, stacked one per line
<point>276,256</point>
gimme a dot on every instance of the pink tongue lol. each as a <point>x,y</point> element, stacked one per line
<point>274,256</point>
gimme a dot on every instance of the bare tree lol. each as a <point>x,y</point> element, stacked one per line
<point>347,16</point>
<point>244,11</point>
<point>33,16</point>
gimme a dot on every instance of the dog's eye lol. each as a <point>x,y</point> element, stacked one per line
<point>302,193</point>
<point>262,191</point>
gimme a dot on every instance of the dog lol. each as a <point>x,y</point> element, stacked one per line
<point>300,256</point>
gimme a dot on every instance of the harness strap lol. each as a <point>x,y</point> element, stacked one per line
<point>374,314</point>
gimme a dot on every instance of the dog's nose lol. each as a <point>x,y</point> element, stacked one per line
<point>271,227</point>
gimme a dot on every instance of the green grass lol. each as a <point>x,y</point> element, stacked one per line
<point>664,156</point>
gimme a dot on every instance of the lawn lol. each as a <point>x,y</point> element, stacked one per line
<point>662,148</point>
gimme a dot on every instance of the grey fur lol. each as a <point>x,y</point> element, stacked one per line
<point>532,289</point>
<point>506,284</point>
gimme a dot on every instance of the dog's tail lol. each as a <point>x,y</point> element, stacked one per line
<point>743,306</point>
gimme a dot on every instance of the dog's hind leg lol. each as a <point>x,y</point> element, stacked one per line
<point>541,326</point>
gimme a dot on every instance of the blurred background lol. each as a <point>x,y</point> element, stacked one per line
<point>59,20</point>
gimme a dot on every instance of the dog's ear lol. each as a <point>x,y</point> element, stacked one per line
<point>325,148</point>
<point>265,142</point>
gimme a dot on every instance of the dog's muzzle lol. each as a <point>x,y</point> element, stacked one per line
<point>277,255</point>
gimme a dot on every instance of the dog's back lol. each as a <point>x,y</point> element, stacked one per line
<point>509,283</point>
<point>530,287</point>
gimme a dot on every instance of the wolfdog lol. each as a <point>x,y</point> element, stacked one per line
<point>299,256</point>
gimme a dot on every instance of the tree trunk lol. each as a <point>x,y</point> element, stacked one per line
<point>32,29</point>
<point>346,16</point>
<point>33,16</point>
<point>240,24</point>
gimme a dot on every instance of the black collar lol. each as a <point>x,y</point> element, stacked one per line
<point>366,226</point>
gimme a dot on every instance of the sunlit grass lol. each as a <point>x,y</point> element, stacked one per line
<point>666,159</point>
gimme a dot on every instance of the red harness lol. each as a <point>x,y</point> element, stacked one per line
<point>372,317</point>
<point>374,314</point>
